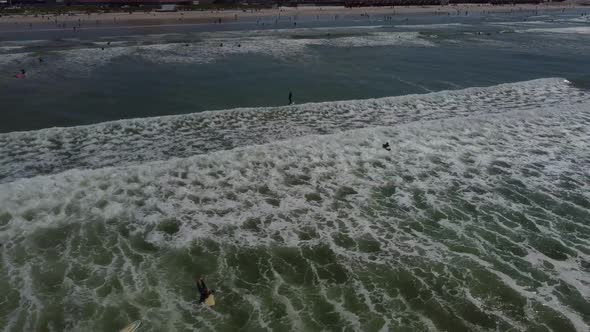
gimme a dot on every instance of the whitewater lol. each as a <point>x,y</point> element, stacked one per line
<point>124,142</point>
<point>475,220</point>
<point>134,160</point>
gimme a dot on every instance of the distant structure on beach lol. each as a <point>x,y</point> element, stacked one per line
<point>347,3</point>
<point>371,3</point>
<point>374,3</point>
<point>168,5</point>
<point>164,5</point>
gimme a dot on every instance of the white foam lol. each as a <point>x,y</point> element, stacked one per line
<point>281,47</point>
<point>54,150</point>
<point>286,44</point>
<point>371,196</point>
<point>11,59</point>
<point>517,23</point>
<point>433,26</point>
<point>568,30</point>
<point>10,48</point>
<point>87,59</point>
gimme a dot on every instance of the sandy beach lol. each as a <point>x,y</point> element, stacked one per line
<point>85,21</point>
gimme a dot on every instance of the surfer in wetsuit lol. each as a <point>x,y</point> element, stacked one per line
<point>203,290</point>
<point>290,98</point>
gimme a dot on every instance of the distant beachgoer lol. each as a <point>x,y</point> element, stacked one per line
<point>290,98</point>
<point>21,74</point>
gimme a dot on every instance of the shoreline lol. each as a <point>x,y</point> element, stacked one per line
<point>27,22</point>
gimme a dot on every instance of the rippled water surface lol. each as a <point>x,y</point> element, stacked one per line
<point>476,220</point>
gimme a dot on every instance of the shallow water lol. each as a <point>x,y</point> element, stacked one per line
<point>476,220</point>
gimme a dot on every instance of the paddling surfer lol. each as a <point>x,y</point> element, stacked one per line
<point>203,290</point>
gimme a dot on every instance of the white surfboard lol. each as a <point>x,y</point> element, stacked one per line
<point>210,301</point>
<point>132,327</point>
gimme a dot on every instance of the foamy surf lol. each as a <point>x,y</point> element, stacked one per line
<point>476,220</point>
<point>200,48</point>
<point>470,223</point>
<point>585,30</point>
<point>125,142</point>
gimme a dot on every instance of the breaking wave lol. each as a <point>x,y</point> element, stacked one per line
<point>475,220</point>
<point>125,142</point>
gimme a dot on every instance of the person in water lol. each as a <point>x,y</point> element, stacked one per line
<point>21,74</point>
<point>290,98</point>
<point>203,290</point>
<point>386,146</point>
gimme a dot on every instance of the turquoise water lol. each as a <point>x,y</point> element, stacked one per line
<point>476,220</point>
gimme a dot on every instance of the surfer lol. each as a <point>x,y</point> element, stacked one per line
<point>203,290</point>
<point>290,98</point>
<point>386,146</point>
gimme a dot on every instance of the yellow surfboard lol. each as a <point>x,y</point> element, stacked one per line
<point>210,301</point>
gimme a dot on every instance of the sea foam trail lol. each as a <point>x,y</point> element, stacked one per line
<point>584,30</point>
<point>198,48</point>
<point>125,142</point>
<point>475,223</point>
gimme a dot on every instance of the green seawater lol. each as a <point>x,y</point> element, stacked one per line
<point>476,220</point>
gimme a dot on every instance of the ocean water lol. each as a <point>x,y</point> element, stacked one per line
<point>171,161</point>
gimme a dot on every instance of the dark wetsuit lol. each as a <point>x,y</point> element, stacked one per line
<point>203,290</point>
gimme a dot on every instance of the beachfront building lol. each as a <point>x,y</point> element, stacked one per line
<point>132,2</point>
<point>347,3</point>
<point>370,3</point>
<point>152,3</point>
